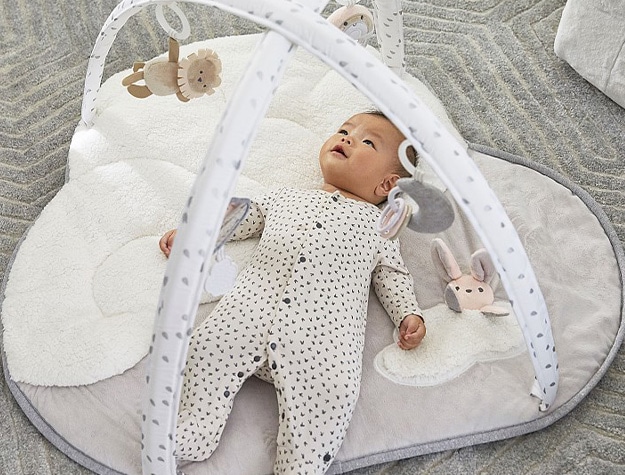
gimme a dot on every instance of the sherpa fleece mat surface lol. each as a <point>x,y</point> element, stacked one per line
<point>82,291</point>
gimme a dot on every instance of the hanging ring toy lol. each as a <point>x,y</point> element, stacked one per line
<point>160,16</point>
<point>397,212</point>
<point>394,217</point>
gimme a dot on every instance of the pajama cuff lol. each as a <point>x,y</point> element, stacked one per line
<point>399,317</point>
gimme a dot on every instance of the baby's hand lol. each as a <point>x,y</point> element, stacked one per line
<point>167,241</point>
<point>411,332</point>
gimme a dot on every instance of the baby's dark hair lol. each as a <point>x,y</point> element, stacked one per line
<point>411,153</point>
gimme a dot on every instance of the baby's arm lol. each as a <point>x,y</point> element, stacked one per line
<point>254,222</point>
<point>393,285</point>
<point>251,226</point>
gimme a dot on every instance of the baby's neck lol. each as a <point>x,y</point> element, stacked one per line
<point>331,189</point>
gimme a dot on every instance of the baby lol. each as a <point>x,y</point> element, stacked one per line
<point>297,313</point>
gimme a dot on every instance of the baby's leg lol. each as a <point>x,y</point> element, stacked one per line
<point>225,350</point>
<point>317,393</point>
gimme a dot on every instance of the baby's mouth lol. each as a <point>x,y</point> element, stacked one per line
<point>339,149</point>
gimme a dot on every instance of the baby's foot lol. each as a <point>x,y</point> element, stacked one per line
<point>191,443</point>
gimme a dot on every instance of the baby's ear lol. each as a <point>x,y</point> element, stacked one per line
<point>387,184</point>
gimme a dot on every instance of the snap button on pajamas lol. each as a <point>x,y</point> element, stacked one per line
<point>296,318</point>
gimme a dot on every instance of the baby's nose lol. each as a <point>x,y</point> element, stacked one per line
<point>347,140</point>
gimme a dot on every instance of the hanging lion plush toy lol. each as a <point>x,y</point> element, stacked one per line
<point>194,76</point>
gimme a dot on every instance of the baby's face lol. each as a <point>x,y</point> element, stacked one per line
<point>360,155</point>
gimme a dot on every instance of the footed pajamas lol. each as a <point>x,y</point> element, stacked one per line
<point>296,317</point>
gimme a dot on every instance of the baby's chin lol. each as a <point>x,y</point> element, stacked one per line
<point>333,177</point>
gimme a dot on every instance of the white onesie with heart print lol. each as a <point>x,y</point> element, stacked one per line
<point>297,317</point>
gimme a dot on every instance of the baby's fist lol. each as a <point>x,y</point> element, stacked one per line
<point>411,332</point>
<point>167,241</point>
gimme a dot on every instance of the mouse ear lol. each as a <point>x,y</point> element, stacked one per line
<point>482,267</point>
<point>444,261</point>
<point>434,214</point>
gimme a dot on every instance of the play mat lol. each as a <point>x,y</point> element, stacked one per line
<point>80,300</point>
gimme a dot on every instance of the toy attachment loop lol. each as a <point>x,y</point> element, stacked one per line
<point>403,157</point>
<point>160,16</point>
<point>394,217</point>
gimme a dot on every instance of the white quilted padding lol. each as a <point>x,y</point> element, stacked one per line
<point>81,298</point>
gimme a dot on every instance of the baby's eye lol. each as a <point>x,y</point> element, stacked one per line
<point>342,132</point>
<point>368,142</point>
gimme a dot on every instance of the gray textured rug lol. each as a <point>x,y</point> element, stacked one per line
<point>492,64</point>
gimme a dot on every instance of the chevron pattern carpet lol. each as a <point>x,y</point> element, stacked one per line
<point>492,64</point>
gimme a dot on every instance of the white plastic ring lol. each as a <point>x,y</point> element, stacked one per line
<point>160,16</point>
<point>394,202</point>
<point>393,216</point>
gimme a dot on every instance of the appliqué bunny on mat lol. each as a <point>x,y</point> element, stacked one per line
<point>467,291</point>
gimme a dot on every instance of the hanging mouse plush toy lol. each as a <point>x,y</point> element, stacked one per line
<point>192,77</point>
<point>355,20</point>
<point>464,291</point>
